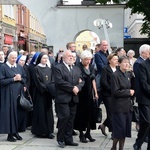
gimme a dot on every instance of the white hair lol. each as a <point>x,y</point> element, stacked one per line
<point>12,53</point>
<point>130,52</point>
<point>144,48</point>
<point>86,54</point>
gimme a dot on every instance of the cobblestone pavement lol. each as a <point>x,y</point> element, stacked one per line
<point>30,142</point>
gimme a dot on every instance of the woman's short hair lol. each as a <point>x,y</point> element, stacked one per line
<point>86,54</point>
<point>110,56</point>
<point>122,58</point>
<point>130,52</point>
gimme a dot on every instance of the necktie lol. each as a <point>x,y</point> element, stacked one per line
<point>70,68</point>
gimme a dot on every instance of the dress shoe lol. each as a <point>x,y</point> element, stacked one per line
<point>61,144</point>
<point>50,136</point>
<point>83,139</point>
<point>102,129</point>
<point>10,138</point>
<point>71,144</point>
<point>74,133</point>
<point>89,137</point>
<point>17,136</point>
<point>136,147</point>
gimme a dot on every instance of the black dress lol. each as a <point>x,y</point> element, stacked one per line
<point>43,120</point>
<point>85,107</point>
<point>10,90</point>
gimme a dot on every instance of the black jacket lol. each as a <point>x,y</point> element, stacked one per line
<point>120,90</point>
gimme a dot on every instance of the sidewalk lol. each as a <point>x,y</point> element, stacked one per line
<point>30,142</point>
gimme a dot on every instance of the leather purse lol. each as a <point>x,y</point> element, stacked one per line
<point>25,103</point>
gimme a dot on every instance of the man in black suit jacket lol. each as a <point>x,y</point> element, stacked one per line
<point>144,103</point>
<point>68,83</point>
<point>144,54</point>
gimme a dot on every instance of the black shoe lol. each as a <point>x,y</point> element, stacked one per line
<point>61,144</point>
<point>74,133</point>
<point>89,137</point>
<point>83,139</point>
<point>102,129</point>
<point>10,138</point>
<point>136,147</point>
<point>71,144</point>
<point>50,136</point>
<point>17,136</point>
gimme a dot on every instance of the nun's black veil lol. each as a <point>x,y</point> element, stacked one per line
<point>8,52</point>
<point>39,58</point>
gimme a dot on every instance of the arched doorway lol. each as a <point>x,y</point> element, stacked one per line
<point>86,37</point>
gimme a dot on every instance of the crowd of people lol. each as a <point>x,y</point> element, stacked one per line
<point>70,82</point>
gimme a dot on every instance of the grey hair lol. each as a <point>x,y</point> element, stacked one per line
<point>86,54</point>
<point>143,48</point>
<point>130,52</point>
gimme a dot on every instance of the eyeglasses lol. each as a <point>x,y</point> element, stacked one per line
<point>61,51</point>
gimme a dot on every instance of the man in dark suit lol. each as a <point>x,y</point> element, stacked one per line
<point>68,83</point>
<point>101,56</point>
<point>143,100</point>
<point>101,61</point>
<point>144,54</point>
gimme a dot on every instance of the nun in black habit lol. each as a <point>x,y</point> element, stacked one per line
<point>12,77</point>
<point>43,120</point>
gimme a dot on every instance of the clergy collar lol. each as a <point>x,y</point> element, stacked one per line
<point>41,65</point>
<point>11,65</point>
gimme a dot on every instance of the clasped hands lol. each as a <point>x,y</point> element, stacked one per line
<point>17,77</point>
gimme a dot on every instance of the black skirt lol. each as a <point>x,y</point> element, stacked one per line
<point>121,123</point>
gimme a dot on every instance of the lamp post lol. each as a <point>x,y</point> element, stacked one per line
<point>99,23</point>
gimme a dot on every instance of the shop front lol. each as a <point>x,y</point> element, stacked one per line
<point>35,42</point>
<point>8,36</point>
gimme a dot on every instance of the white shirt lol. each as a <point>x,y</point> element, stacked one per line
<point>15,65</point>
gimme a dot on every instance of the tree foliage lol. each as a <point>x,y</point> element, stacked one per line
<point>137,6</point>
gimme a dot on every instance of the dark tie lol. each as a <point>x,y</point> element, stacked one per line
<point>70,68</point>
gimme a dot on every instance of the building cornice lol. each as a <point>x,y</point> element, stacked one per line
<point>93,6</point>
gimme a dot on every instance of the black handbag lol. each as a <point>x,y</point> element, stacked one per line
<point>98,113</point>
<point>25,103</point>
<point>135,114</point>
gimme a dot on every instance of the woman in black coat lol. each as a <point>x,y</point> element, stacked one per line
<point>84,120</point>
<point>106,90</point>
<point>121,103</point>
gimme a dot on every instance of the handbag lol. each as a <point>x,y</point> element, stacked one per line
<point>98,113</point>
<point>135,114</point>
<point>25,103</point>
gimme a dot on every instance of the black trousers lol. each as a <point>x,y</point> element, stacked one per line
<point>108,121</point>
<point>66,115</point>
<point>144,122</point>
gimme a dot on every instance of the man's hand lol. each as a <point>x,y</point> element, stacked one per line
<point>131,92</point>
<point>75,90</point>
<point>80,80</point>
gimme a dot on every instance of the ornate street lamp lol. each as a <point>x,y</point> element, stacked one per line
<point>99,23</point>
